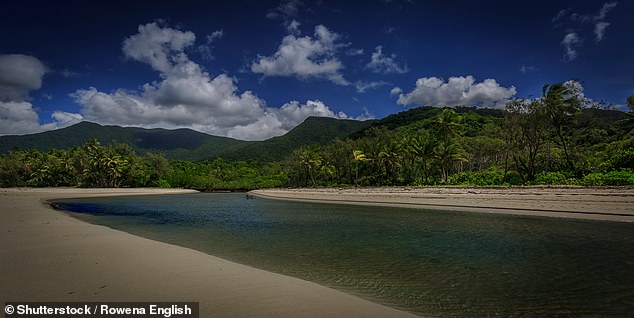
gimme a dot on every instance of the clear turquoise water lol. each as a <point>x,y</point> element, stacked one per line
<point>438,263</point>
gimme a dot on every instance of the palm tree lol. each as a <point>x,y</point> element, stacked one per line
<point>628,122</point>
<point>447,153</point>
<point>390,156</point>
<point>561,102</point>
<point>358,155</point>
<point>448,149</point>
<point>311,159</point>
<point>422,147</point>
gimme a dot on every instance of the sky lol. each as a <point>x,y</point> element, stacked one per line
<point>251,70</point>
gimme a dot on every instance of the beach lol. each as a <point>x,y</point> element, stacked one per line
<point>49,256</point>
<point>607,204</point>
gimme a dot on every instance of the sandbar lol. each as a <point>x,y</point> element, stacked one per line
<point>606,204</point>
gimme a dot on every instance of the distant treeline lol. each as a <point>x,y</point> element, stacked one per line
<point>552,140</point>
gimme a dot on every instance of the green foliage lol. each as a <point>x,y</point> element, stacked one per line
<point>489,177</point>
<point>554,178</point>
<point>613,178</point>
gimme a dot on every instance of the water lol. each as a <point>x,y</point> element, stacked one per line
<point>437,263</point>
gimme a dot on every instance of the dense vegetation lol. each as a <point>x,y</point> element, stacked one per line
<point>554,140</point>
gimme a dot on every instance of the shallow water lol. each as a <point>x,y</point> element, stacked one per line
<point>438,263</point>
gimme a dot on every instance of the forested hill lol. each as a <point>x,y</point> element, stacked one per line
<point>417,117</point>
<point>187,144</point>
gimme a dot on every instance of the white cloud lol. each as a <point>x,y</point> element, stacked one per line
<point>304,57</point>
<point>456,91</point>
<point>354,52</point>
<point>159,47</point>
<point>18,118</point>
<point>19,74</point>
<point>363,86</point>
<point>396,91</point>
<point>188,96</point>
<point>570,42</point>
<point>287,9</point>
<point>607,7</point>
<point>216,35</point>
<point>560,15</point>
<point>599,30</point>
<point>206,49</point>
<point>293,27</point>
<point>384,64</point>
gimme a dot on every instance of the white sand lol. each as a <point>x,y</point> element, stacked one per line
<point>609,204</point>
<point>46,255</point>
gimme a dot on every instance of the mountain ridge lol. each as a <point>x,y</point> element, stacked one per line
<point>185,143</point>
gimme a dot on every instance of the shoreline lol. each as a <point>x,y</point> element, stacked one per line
<point>51,256</point>
<point>602,204</point>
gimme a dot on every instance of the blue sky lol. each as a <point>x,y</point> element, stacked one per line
<point>255,69</point>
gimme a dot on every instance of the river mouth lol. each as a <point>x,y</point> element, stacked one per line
<point>439,263</point>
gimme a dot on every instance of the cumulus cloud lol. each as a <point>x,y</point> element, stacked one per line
<point>456,91</point>
<point>304,57</point>
<point>18,118</point>
<point>159,47</point>
<point>188,96</point>
<point>19,74</point>
<point>385,64</point>
<point>570,42</point>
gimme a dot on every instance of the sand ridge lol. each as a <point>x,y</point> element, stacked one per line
<point>607,204</point>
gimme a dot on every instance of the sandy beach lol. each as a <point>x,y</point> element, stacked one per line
<point>609,204</point>
<point>50,256</point>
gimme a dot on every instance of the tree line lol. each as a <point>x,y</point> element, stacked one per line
<point>553,139</point>
<point>94,165</point>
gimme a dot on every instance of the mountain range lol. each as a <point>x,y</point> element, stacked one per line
<point>187,144</point>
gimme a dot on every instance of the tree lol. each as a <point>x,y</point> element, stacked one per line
<point>358,156</point>
<point>422,148</point>
<point>311,159</point>
<point>525,123</point>
<point>448,150</point>
<point>561,102</point>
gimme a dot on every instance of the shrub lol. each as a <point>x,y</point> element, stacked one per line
<point>553,178</point>
<point>480,178</point>
<point>512,178</point>
<point>613,178</point>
